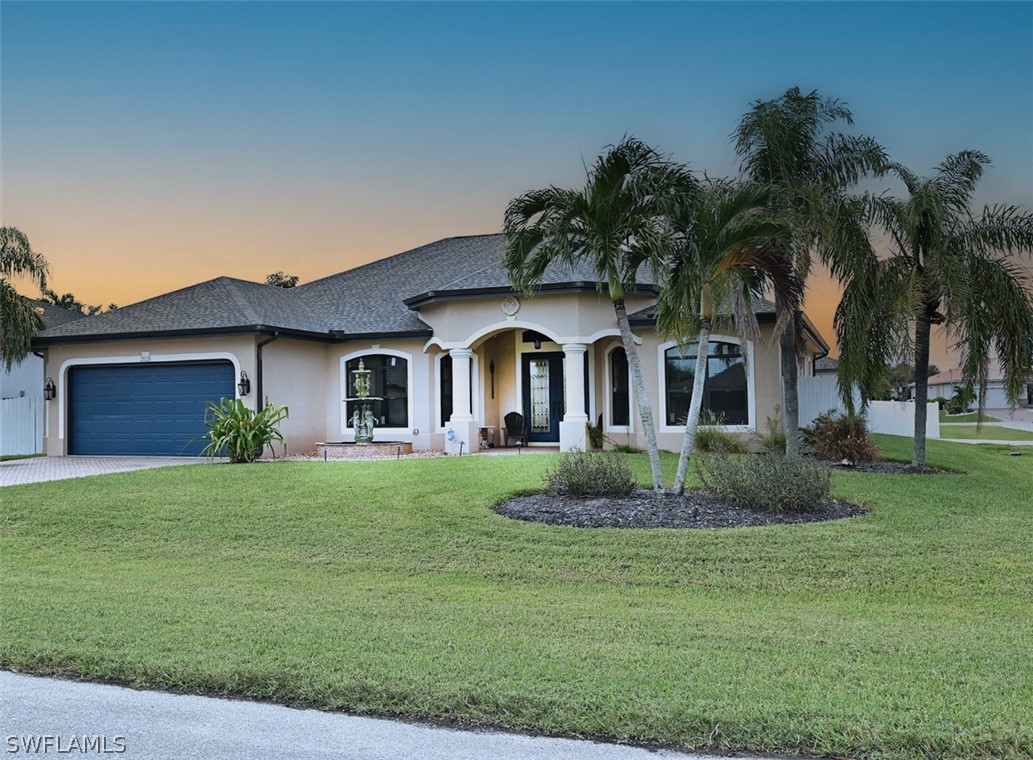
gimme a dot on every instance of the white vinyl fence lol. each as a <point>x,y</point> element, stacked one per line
<point>21,426</point>
<point>819,395</point>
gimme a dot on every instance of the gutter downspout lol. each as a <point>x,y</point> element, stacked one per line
<point>46,408</point>
<point>258,368</point>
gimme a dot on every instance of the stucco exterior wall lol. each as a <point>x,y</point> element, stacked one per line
<point>240,350</point>
<point>294,375</point>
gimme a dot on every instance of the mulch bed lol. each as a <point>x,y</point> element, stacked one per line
<point>642,509</point>
<point>884,468</point>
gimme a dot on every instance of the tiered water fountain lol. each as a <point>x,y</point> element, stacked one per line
<point>363,421</point>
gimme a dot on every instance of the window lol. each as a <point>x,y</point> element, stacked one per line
<point>445,386</point>
<point>389,383</point>
<point>620,397</point>
<point>724,393</point>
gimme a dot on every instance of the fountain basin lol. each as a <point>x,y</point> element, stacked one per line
<point>352,450</point>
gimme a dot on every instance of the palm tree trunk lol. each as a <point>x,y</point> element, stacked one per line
<point>922,331</point>
<point>695,406</point>
<point>790,381</point>
<point>645,410</point>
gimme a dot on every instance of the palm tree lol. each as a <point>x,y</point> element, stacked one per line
<point>616,224</point>
<point>787,143</point>
<point>19,320</point>
<point>729,249</point>
<point>945,266</point>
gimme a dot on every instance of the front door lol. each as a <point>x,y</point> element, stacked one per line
<point>543,396</point>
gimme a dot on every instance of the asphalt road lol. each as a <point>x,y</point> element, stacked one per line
<point>154,724</point>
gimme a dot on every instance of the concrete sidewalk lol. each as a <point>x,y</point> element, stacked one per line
<point>154,724</point>
<point>18,472</point>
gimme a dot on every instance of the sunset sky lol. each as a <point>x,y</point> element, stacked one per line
<point>149,146</point>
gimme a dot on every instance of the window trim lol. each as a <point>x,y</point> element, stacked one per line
<point>608,425</point>
<point>342,386</point>
<point>751,385</point>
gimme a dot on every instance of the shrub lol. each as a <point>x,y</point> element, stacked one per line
<point>773,439</point>
<point>711,440</point>
<point>241,433</point>
<point>940,401</point>
<point>962,400</point>
<point>837,436</point>
<point>775,483</point>
<point>580,473</point>
<point>594,434</point>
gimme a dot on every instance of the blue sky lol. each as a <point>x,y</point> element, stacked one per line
<point>203,139</point>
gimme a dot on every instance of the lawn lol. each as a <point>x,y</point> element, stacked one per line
<point>390,587</point>
<point>986,433</point>
<point>970,417</point>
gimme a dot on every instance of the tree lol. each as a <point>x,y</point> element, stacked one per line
<point>19,320</point>
<point>281,280</point>
<point>728,249</point>
<point>69,302</point>
<point>616,224</point>
<point>787,143</point>
<point>945,266</point>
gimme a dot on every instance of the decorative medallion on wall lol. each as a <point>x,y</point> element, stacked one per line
<point>510,306</point>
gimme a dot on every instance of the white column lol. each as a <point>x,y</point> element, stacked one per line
<point>461,361</point>
<point>572,429</point>
<point>462,422</point>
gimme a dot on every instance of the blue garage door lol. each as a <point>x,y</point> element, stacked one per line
<point>143,409</point>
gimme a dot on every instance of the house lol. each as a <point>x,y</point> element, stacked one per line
<point>825,366</point>
<point>943,384</point>
<point>451,347</point>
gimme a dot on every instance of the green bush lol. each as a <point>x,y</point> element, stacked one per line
<point>773,439</point>
<point>594,434</point>
<point>581,473</point>
<point>940,401</point>
<point>837,436</point>
<point>711,440</point>
<point>240,433</point>
<point>774,483</point>
<point>962,400</point>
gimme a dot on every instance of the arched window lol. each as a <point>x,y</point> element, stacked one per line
<point>620,395</point>
<point>389,382</point>
<point>725,392</point>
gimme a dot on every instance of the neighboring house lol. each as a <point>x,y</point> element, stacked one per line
<point>450,345</point>
<point>943,384</point>
<point>825,366</point>
<point>26,378</point>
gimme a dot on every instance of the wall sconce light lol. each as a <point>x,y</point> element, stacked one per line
<point>537,344</point>
<point>49,390</point>
<point>244,386</point>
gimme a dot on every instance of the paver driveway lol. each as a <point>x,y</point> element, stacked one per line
<point>40,469</point>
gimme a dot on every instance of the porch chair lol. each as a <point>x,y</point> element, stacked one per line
<point>514,428</point>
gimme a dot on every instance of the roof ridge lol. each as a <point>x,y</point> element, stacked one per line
<point>238,298</point>
<point>395,256</point>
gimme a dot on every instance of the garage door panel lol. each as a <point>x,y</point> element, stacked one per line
<point>154,409</point>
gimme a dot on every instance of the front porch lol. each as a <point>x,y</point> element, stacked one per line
<point>554,385</point>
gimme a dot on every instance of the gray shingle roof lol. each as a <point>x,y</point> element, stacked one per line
<point>220,303</point>
<point>55,315</point>
<point>826,364</point>
<point>647,316</point>
<point>369,299</point>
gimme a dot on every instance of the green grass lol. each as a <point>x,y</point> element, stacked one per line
<point>970,417</point>
<point>391,587</point>
<point>12,457</point>
<point>995,433</point>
